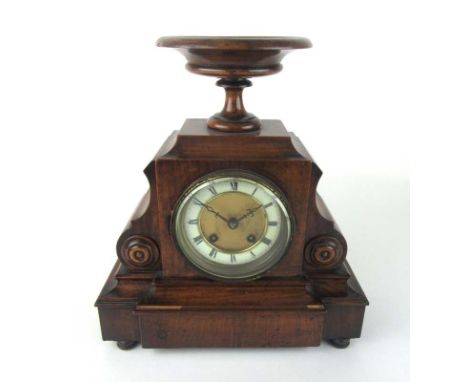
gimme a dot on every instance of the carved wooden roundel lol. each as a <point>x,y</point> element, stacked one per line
<point>324,252</point>
<point>139,252</point>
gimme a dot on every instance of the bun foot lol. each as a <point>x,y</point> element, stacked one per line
<point>126,345</point>
<point>340,343</point>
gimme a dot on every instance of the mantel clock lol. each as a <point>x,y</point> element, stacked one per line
<point>231,246</point>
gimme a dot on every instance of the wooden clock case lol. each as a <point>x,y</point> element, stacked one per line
<point>155,297</point>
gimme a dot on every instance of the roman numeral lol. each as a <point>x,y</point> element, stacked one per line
<point>273,223</point>
<point>253,254</point>
<point>254,191</point>
<point>213,190</point>
<point>266,241</point>
<point>233,259</point>
<point>198,239</point>
<point>193,221</point>
<point>268,205</point>
<point>213,253</point>
<point>234,185</point>
<point>197,202</point>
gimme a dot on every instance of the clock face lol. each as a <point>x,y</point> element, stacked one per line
<point>233,225</point>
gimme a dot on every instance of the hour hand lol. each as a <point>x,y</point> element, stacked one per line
<point>250,212</point>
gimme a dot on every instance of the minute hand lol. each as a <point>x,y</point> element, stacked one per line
<point>212,210</point>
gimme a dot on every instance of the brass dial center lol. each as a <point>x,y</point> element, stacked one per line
<point>237,224</point>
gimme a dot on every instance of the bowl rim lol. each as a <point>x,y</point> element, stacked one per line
<point>234,42</point>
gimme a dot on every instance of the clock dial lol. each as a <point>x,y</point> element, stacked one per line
<point>232,225</point>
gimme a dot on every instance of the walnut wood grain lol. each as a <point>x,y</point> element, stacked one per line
<point>155,297</point>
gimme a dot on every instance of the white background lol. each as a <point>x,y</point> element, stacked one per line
<point>86,100</point>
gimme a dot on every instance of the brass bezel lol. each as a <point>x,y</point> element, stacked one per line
<point>267,263</point>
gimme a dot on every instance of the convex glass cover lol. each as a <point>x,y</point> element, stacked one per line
<point>233,225</point>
